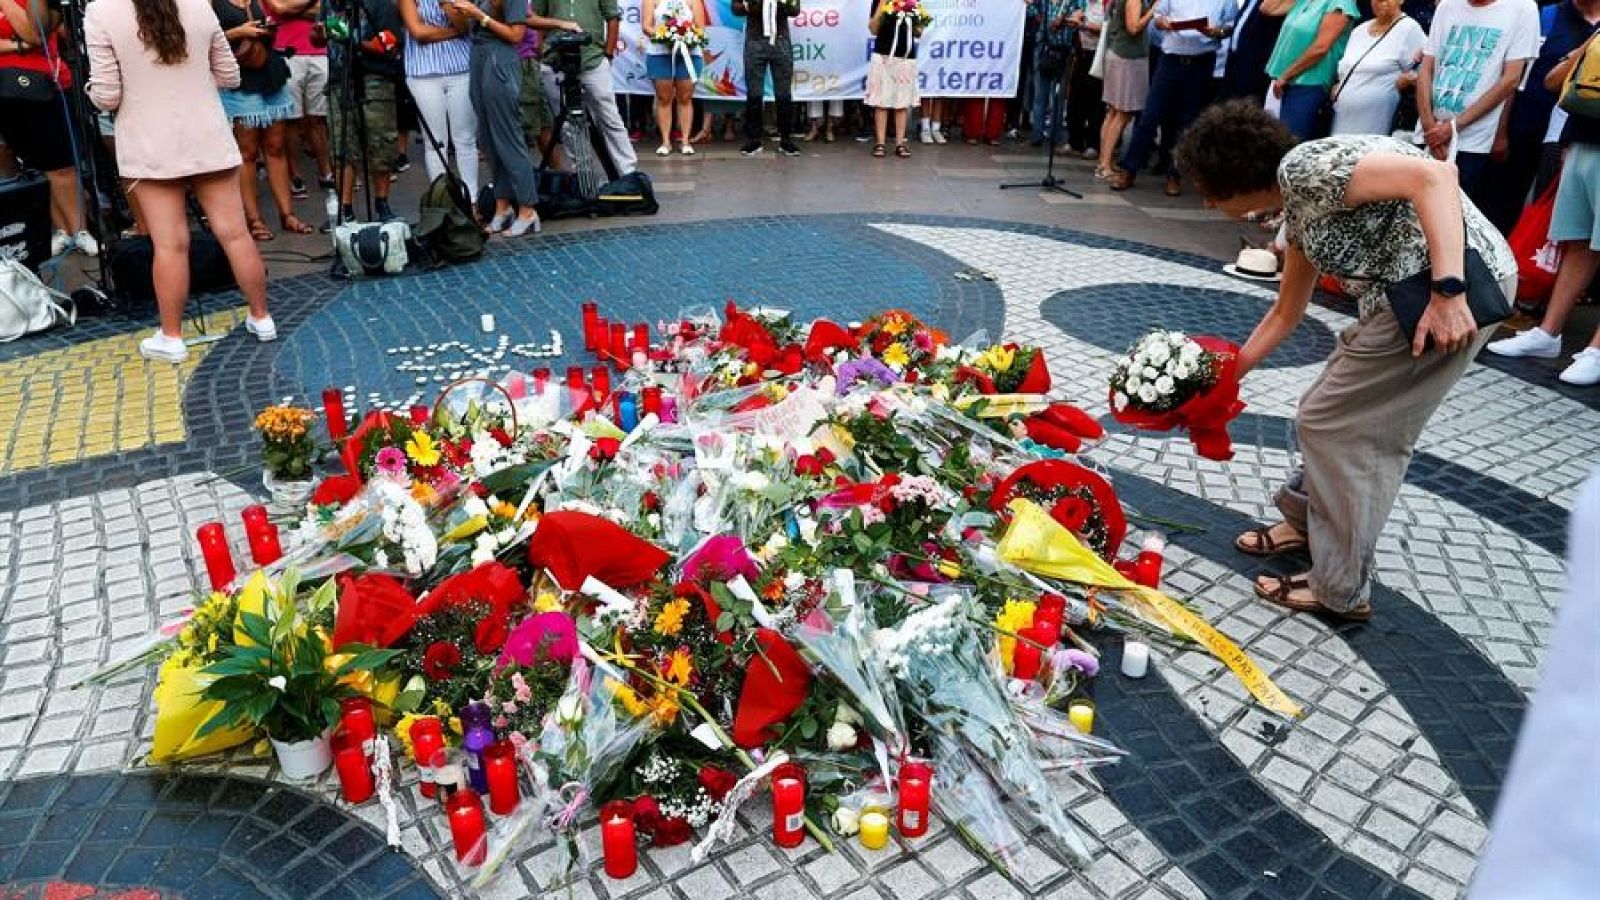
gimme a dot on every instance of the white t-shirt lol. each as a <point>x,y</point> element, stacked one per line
<point>1470,46</point>
<point>1367,73</point>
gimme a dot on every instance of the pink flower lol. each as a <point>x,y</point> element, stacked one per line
<point>923,340</point>
<point>508,708</point>
<point>391,461</point>
<point>519,685</point>
<point>500,722</point>
<point>545,635</point>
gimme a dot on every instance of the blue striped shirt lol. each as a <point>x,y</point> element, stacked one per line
<point>452,57</point>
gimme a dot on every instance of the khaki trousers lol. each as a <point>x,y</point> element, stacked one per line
<point>1357,426</point>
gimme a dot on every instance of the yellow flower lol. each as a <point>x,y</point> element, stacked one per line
<point>679,668</point>
<point>546,602</point>
<point>503,510</point>
<point>670,620</point>
<point>421,449</point>
<point>894,325</point>
<point>896,357</point>
<point>1017,615</point>
<point>402,730</point>
<point>998,358</point>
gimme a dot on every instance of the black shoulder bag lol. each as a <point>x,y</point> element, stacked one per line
<point>1409,297</point>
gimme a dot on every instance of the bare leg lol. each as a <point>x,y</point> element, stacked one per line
<point>900,116</point>
<point>1578,266</point>
<point>275,145</point>
<point>64,200</point>
<point>168,221</point>
<point>1110,131</point>
<point>685,98</point>
<point>663,91</point>
<point>317,136</point>
<point>250,150</point>
<point>218,194</point>
<point>880,124</point>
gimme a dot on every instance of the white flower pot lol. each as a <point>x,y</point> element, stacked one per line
<point>288,495</point>
<point>303,759</point>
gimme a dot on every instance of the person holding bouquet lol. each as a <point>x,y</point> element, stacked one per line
<point>1384,218</point>
<point>673,61</point>
<point>892,76</point>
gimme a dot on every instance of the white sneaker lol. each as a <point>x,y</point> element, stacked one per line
<point>664,150</point>
<point>86,244</point>
<point>1533,342</point>
<point>938,136</point>
<point>263,328</point>
<point>927,136</point>
<point>160,348</point>
<point>60,242</point>
<point>1585,368</point>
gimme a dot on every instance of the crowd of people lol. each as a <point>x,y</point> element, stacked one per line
<point>346,86</point>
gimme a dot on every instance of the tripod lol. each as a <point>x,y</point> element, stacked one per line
<point>95,171</point>
<point>1058,108</point>
<point>352,90</point>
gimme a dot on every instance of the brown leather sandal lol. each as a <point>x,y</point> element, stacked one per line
<point>1281,595</point>
<point>1266,545</point>
<point>1120,180</point>
<point>259,230</point>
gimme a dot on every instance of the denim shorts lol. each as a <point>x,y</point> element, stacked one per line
<point>669,67</point>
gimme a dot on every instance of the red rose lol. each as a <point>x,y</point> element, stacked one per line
<point>808,465</point>
<point>336,489</point>
<point>717,781</point>
<point>604,448</point>
<point>490,635</point>
<point>650,501</point>
<point>671,832</point>
<point>1072,512</point>
<point>500,436</point>
<point>825,456</point>
<point>439,661</point>
<point>647,813</point>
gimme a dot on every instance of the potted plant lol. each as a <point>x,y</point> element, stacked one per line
<point>287,454</point>
<point>277,677</point>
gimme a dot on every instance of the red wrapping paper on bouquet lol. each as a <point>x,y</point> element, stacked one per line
<point>374,609</point>
<point>1035,381</point>
<point>575,546</point>
<point>350,452</point>
<point>1205,416</point>
<point>493,583</point>
<point>769,697</point>
<point>1072,512</point>
<point>743,331</point>
<point>826,337</point>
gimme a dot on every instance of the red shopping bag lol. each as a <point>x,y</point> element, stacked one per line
<point>1537,256</point>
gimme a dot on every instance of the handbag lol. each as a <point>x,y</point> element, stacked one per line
<point>1487,303</point>
<point>1325,111</point>
<point>1097,67</point>
<point>27,305</point>
<point>1580,96</point>
<point>251,54</point>
<point>26,84</point>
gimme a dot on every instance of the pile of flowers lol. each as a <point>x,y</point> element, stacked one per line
<point>763,549</point>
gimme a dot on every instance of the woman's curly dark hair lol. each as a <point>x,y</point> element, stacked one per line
<point>161,30</point>
<point>1233,148</point>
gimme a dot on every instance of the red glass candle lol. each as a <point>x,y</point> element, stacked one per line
<point>641,337</point>
<point>619,343</point>
<point>602,339</point>
<point>427,751</point>
<point>541,380</point>
<point>788,805</point>
<point>218,558</point>
<point>600,380</point>
<point>618,839</point>
<point>333,409</point>
<point>916,785</point>
<point>350,759</point>
<point>468,831</point>
<point>1147,566</point>
<point>265,546</point>
<point>419,414</point>
<point>591,317</point>
<point>1025,658</point>
<point>1048,627</point>
<point>651,400</point>
<point>355,716</point>
<point>1052,606</point>
<point>500,766</point>
<point>254,518</point>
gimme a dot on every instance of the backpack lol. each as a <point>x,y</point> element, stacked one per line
<point>445,228</point>
<point>26,305</point>
<point>630,195</point>
<point>1580,96</point>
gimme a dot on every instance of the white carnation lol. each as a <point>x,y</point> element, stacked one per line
<point>1147,394</point>
<point>1157,353</point>
<point>1164,385</point>
<point>1182,371</point>
<point>846,821</point>
<point>474,506</point>
<point>1150,373</point>
<point>841,736</point>
<point>1190,353</point>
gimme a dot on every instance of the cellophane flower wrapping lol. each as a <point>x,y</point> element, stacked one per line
<point>949,681</point>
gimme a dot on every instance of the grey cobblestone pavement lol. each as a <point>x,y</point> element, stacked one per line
<point>1384,790</point>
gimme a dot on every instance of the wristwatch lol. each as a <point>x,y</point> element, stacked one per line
<point>1449,286</point>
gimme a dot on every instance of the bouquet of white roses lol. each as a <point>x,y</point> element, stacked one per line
<point>1162,372</point>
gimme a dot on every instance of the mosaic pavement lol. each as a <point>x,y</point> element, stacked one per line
<point>1384,790</point>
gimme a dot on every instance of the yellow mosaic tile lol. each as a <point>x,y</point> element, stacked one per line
<point>94,399</point>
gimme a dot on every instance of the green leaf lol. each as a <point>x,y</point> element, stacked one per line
<point>808,729</point>
<point>289,584</point>
<point>366,660</point>
<point>226,717</point>
<point>725,621</point>
<point>409,701</point>
<point>255,627</point>
<point>233,688</point>
<point>234,665</point>
<point>506,481</point>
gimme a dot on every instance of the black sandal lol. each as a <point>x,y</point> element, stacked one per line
<point>1287,585</point>
<point>1266,545</point>
<point>880,151</point>
<point>902,151</point>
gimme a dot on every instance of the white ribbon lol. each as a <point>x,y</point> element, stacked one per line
<point>681,50</point>
<point>899,20</point>
<point>722,828</point>
<point>769,18</point>
<point>383,774</point>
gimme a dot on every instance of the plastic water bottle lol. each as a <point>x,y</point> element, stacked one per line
<point>332,206</point>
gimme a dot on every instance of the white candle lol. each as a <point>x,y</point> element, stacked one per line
<point>1135,659</point>
<point>486,321</point>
